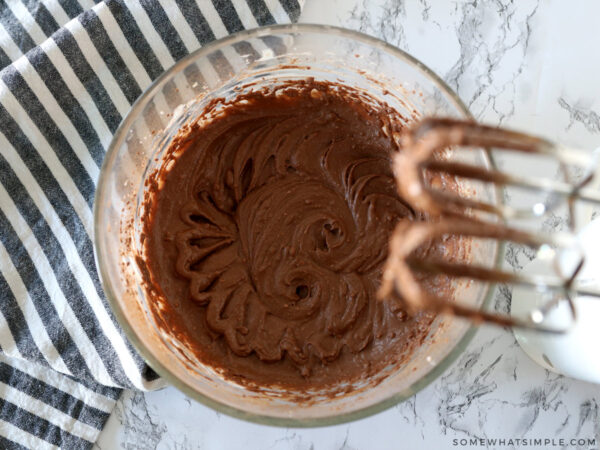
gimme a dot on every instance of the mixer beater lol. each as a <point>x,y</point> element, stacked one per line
<point>427,147</point>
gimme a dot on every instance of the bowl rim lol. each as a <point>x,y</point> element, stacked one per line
<point>117,141</point>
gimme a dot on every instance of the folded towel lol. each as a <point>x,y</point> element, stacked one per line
<point>69,72</point>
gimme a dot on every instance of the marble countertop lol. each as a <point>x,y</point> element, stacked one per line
<point>527,64</point>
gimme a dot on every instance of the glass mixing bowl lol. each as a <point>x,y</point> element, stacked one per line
<point>266,56</point>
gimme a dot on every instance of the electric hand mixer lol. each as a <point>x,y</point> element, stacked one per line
<point>454,214</point>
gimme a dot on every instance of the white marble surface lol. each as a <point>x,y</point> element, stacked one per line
<point>529,64</point>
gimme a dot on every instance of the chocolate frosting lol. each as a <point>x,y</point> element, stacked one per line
<point>268,234</point>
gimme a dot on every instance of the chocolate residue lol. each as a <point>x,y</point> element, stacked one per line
<point>266,230</point>
<point>423,146</point>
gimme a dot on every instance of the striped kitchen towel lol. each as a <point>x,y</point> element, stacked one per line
<point>69,72</point>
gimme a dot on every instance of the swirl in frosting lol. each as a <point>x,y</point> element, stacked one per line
<point>270,229</point>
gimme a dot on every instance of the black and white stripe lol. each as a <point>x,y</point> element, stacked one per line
<point>69,72</point>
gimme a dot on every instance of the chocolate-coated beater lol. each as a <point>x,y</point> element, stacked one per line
<point>425,155</point>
